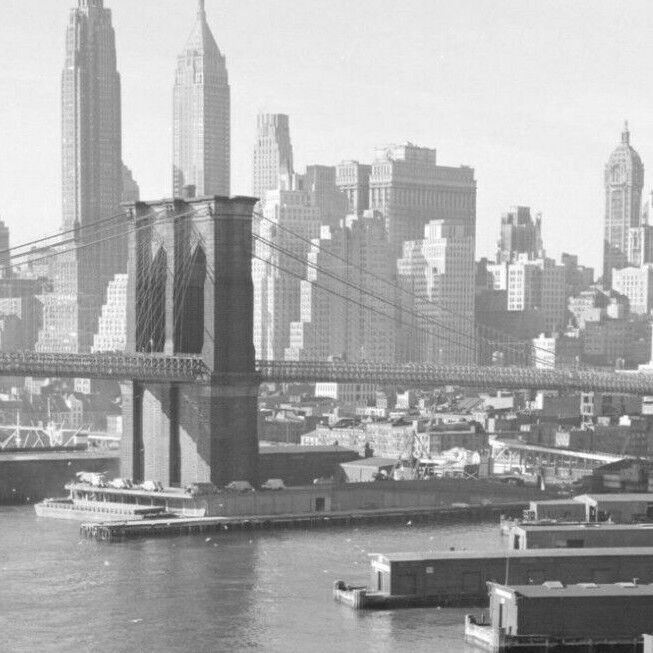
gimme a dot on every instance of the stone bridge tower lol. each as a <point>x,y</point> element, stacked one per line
<point>190,292</point>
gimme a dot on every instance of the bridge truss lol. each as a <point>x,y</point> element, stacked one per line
<point>164,368</point>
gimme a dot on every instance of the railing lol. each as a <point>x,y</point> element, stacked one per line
<point>423,375</point>
<point>106,365</point>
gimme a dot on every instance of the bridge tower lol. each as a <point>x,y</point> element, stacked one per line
<point>190,292</point>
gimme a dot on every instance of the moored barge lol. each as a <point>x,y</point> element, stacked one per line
<point>557,617</point>
<point>449,578</point>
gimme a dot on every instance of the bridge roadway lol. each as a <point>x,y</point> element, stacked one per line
<point>180,368</point>
<point>476,376</point>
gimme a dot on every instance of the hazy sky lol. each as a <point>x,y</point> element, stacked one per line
<point>530,93</point>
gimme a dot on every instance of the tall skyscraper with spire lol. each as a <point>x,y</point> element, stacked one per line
<point>624,179</point>
<point>201,115</point>
<point>91,180</point>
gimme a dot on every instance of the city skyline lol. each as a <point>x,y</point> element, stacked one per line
<point>568,137</point>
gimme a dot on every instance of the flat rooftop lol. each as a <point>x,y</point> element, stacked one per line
<point>26,456</point>
<point>582,528</point>
<point>416,556</point>
<point>303,449</point>
<point>623,497</point>
<point>374,461</point>
<point>582,590</point>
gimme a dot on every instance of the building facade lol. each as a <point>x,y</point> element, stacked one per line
<point>635,283</point>
<point>112,328</point>
<point>290,220</point>
<point>91,177</point>
<point>130,189</point>
<point>347,299</point>
<point>520,235</point>
<point>272,158</point>
<point>624,179</point>
<point>410,189</point>
<point>535,286</point>
<point>5,254</point>
<point>320,180</point>
<point>437,274</point>
<point>201,115</point>
<point>353,179</point>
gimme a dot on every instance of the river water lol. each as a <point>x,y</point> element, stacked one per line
<point>260,591</point>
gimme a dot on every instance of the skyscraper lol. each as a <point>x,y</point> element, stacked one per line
<point>272,157</point>
<point>291,220</point>
<point>201,131</point>
<point>91,177</point>
<point>353,179</point>
<point>438,276</point>
<point>130,189</point>
<point>520,234</point>
<point>346,303</point>
<point>410,189</point>
<point>320,180</point>
<point>624,179</point>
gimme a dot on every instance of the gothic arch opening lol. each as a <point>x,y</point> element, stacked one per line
<point>152,306</point>
<point>189,304</point>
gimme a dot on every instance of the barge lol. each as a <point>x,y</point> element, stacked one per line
<point>622,508</point>
<point>585,535</point>
<point>450,578</point>
<point>554,616</point>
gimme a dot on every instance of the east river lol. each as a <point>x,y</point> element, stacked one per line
<point>255,591</point>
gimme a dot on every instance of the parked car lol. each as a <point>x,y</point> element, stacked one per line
<point>96,479</point>
<point>273,484</point>
<point>152,486</point>
<point>323,481</point>
<point>121,483</point>
<point>201,488</point>
<point>239,486</point>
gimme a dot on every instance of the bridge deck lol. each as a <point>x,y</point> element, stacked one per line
<point>192,369</point>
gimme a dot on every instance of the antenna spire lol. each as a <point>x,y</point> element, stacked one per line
<point>200,8</point>
<point>625,134</point>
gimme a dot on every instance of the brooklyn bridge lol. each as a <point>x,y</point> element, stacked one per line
<point>189,378</point>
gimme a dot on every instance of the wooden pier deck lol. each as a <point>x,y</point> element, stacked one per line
<point>169,526</point>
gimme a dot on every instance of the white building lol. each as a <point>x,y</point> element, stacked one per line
<point>410,189</point>
<point>112,327</point>
<point>273,156</point>
<point>347,393</point>
<point>291,219</point>
<point>438,272</point>
<point>201,134</point>
<point>636,283</point>
<point>533,284</point>
<point>347,300</point>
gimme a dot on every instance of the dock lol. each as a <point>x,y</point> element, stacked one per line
<point>178,525</point>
